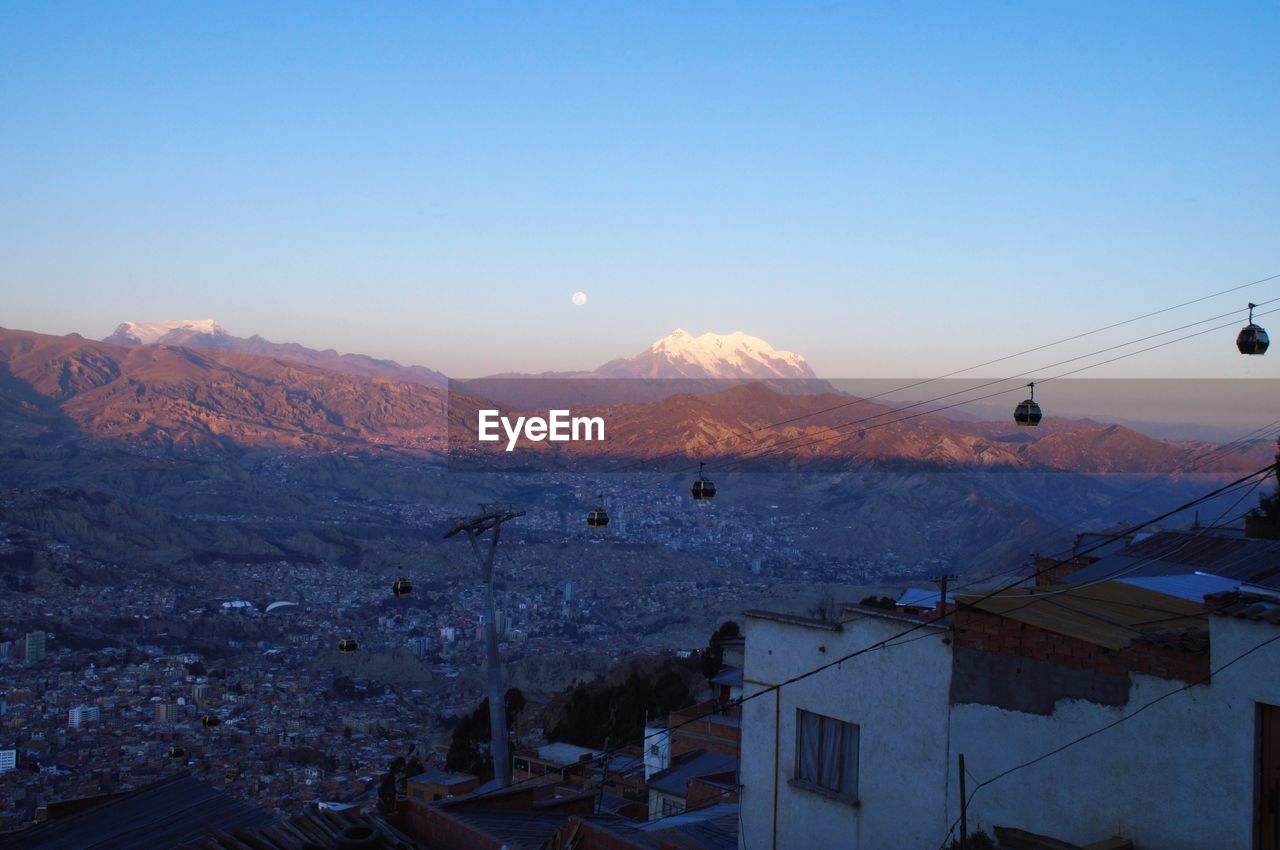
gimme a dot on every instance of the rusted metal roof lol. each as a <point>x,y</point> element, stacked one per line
<point>1111,614</point>
<point>1183,552</point>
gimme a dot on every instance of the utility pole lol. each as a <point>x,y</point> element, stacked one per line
<point>964,807</point>
<point>942,582</point>
<point>491,519</point>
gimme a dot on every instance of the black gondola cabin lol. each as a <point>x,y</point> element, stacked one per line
<point>1253,338</point>
<point>1028,412</point>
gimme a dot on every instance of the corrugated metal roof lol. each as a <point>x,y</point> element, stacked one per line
<point>1110,614</point>
<point>729,676</point>
<point>173,811</point>
<point>436,776</point>
<point>1185,552</point>
<point>1194,587</point>
<point>675,779</point>
<point>711,828</point>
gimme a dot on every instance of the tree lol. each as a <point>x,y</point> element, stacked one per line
<point>824,609</point>
<point>469,747</point>
<point>713,659</point>
<point>600,714</point>
<point>885,602</point>
<point>976,841</point>
<point>387,793</point>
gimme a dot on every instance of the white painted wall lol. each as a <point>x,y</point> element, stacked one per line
<point>1180,776</point>
<point>657,749</point>
<point>899,698</point>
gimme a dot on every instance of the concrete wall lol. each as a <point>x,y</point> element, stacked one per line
<point>898,697</point>
<point>1179,776</point>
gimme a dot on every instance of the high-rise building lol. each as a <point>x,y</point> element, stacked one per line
<point>82,714</point>
<point>35,648</point>
<point>166,711</point>
<point>200,693</point>
<point>8,759</point>
<point>6,649</point>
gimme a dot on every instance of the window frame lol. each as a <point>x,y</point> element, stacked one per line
<point>847,785</point>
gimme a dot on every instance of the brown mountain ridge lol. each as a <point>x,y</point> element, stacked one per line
<point>179,398</point>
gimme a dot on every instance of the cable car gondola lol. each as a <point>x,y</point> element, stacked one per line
<point>1253,338</point>
<point>209,721</point>
<point>704,487</point>
<point>1028,412</point>
<point>176,753</point>
<point>401,587</point>
<point>598,517</point>
<point>348,645</point>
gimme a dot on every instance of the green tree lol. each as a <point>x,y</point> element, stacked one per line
<point>713,658</point>
<point>469,746</point>
<point>387,793</point>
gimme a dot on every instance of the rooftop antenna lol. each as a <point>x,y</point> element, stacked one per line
<point>491,518</point>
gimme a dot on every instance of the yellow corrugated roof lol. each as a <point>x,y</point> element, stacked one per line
<point>1110,614</point>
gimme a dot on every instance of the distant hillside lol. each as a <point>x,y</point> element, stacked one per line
<point>207,399</point>
<point>206,333</point>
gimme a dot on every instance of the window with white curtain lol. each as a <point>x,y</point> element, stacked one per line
<point>827,753</point>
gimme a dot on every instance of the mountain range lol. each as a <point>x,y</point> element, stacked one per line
<point>289,398</point>
<point>206,333</point>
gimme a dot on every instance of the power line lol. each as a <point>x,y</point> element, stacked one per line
<point>897,639</point>
<point>1188,686</point>
<point>1266,431</point>
<point>1072,338</point>
<point>756,453</point>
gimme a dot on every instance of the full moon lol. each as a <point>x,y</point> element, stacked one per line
<point>579,298</point>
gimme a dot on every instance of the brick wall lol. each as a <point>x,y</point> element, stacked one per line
<point>992,633</point>
<point>703,791</point>
<point>719,733</point>
<point>1055,573</point>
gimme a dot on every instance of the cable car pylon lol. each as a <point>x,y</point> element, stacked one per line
<point>475,527</point>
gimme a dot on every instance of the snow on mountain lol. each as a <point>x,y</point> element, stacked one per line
<point>206,333</point>
<point>148,333</point>
<point>719,356</point>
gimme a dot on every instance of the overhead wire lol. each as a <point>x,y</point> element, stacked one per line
<point>1122,719</point>
<point>897,639</point>
<point>926,381</point>
<point>757,453</point>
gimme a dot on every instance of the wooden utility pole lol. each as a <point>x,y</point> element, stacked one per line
<point>475,527</point>
<point>942,582</point>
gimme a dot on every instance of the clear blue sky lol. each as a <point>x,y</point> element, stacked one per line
<point>890,188</point>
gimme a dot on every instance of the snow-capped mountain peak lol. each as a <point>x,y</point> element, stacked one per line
<point>711,355</point>
<point>148,333</point>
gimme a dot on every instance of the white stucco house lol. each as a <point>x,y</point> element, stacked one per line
<point>864,754</point>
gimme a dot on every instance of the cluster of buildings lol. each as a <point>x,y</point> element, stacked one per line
<point>1127,696</point>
